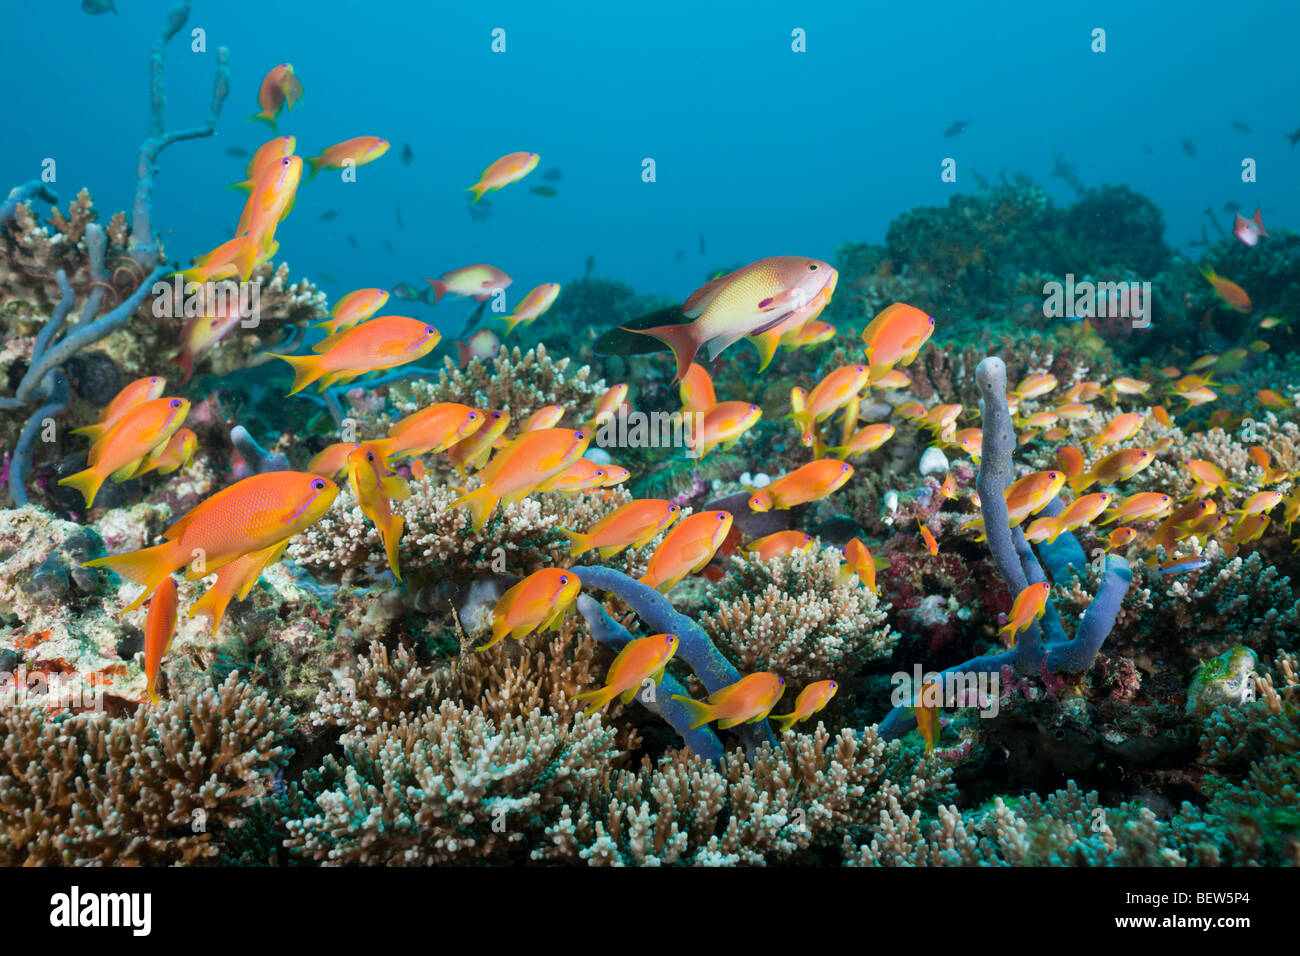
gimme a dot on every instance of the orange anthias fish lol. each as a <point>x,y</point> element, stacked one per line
<point>252,514</point>
<point>811,699</point>
<point>1270,398</point>
<point>279,87</point>
<point>332,460</point>
<point>1077,513</point>
<point>830,394</point>
<point>927,537</point>
<point>747,701</point>
<point>769,340</point>
<point>269,153</point>
<point>581,475</point>
<point>376,488</point>
<point>177,453</point>
<point>746,302</point>
<point>534,304</point>
<point>614,475</point>
<point>1261,502</point>
<point>272,198</point>
<point>813,481</point>
<point>133,395</point>
<point>476,282</point>
<point>1117,466</point>
<point>538,602</point>
<point>634,524</point>
<point>350,152</point>
<point>431,429</point>
<point>686,549</point>
<point>1030,494</point>
<point>378,344</point>
<point>1233,295</point>
<point>609,403</point>
<point>722,425</point>
<point>697,389</point>
<point>532,462</point>
<point>813,333</point>
<point>548,416</point>
<point>1069,460</point>
<point>779,543</point>
<point>896,335</point>
<point>510,168</point>
<point>1029,605</point>
<point>122,450</point>
<point>864,440</point>
<point>1035,386</point>
<point>927,714</point>
<point>1120,538</point>
<point>859,560</point>
<point>221,262</point>
<point>1139,507</point>
<point>159,628</point>
<point>353,308</point>
<point>1120,428</point>
<point>204,332</point>
<point>483,346</point>
<point>473,451</point>
<point>234,581</point>
<point>641,659</point>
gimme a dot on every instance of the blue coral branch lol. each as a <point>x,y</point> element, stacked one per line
<point>21,194</point>
<point>56,393</point>
<point>1019,566</point>
<point>259,460</point>
<point>607,631</point>
<point>694,646</point>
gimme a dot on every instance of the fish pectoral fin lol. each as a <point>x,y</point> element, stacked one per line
<point>728,722</point>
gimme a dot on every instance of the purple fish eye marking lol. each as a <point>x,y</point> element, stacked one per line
<point>318,485</point>
<point>579,436</point>
<point>429,330</point>
<point>564,579</point>
<point>175,403</point>
<point>845,468</point>
<point>781,680</point>
<point>473,415</point>
<point>722,516</point>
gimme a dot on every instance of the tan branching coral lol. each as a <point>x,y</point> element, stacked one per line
<point>792,616</point>
<point>164,786</point>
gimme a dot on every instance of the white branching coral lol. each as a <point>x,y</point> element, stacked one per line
<point>792,616</point>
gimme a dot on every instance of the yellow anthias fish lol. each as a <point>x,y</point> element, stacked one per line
<point>686,549</point>
<point>634,524</point>
<point>1117,466</point>
<point>747,701</point>
<point>859,560</point>
<point>746,302</point>
<point>332,460</point>
<point>250,515</point>
<point>1035,386</point>
<point>830,394</point>
<point>1029,605</point>
<point>123,449</point>
<point>473,451</point>
<point>1139,507</point>
<point>159,628</point>
<point>640,660</point>
<point>272,198</point>
<point>349,153</point>
<point>864,440</point>
<point>813,481</point>
<point>768,341</point>
<point>376,488</point>
<point>1030,494</point>
<point>533,305</point>
<point>1231,294</point>
<point>538,602</point>
<point>534,461</point>
<point>431,429</point>
<point>353,309</point>
<point>548,416</point>
<point>722,425</point>
<point>510,168</point>
<point>1118,429</point>
<point>381,343</point>
<point>896,336</point>
<point>1078,513</point>
<point>175,455</point>
<point>926,708</point>
<point>697,390</point>
<point>811,699</point>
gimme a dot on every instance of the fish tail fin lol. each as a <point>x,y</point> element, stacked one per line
<point>784,721</point>
<point>1008,631</point>
<point>680,339</point>
<point>246,187</point>
<point>510,322</point>
<point>1054,533</point>
<point>1079,482</point>
<point>93,432</point>
<point>391,535</point>
<point>767,343</point>
<point>211,605</point>
<point>462,352</point>
<point>264,117</point>
<point>699,713</point>
<point>478,189</point>
<point>480,502</point>
<point>578,543</point>
<point>306,369</point>
<point>314,163</point>
<point>147,567</point>
<point>599,699</point>
<point>87,482</point>
<point>439,289</point>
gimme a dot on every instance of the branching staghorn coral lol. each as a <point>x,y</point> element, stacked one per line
<point>162,787</point>
<point>802,794</point>
<point>1019,566</point>
<point>793,617</point>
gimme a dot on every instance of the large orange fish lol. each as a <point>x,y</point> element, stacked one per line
<point>749,301</point>
<point>159,628</point>
<point>472,282</point>
<point>534,461</point>
<point>279,87</point>
<point>431,429</point>
<point>353,308</point>
<point>747,701</point>
<point>896,335</point>
<point>510,168</point>
<point>859,560</point>
<point>813,481</point>
<point>378,344</point>
<point>1118,429</point>
<point>779,543</point>
<point>538,602</point>
<point>811,699</point>
<point>234,581</point>
<point>271,199</point>
<point>1030,604</point>
<point>135,394</point>
<point>122,450</point>
<point>1139,507</point>
<point>634,524</point>
<point>533,305</point>
<point>260,511</point>
<point>640,660</point>
<point>376,488</point>
<point>351,152</point>
<point>686,549</point>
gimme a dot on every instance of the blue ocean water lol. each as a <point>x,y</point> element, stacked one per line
<point>759,150</point>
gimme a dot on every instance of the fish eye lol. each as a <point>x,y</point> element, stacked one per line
<point>370,456</point>
<point>833,684</point>
<point>672,507</point>
<point>496,414</point>
<point>599,472</point>
<point>429,330</point>
<point>845,468</point>
<point>154,380</point>
<point>931,318</point>
<point>285,161</point>
<point>473,415</point>
<point>812,267</point>
<point>862,368</point>
<point>722,516</point>
<point>579,435</point>
<point>175,403</point>
<point>780,680</point>
<point>318,485</point>
<point>564,579</point>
